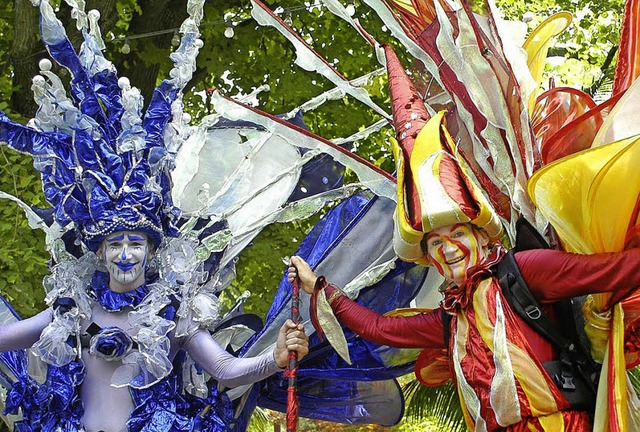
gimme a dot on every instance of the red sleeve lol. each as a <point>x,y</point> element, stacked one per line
<point>555,275</point>
<point>424,330</point>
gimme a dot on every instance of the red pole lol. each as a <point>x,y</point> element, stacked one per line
<point>292,367</point>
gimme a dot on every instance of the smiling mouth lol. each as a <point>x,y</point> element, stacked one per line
<point>125,267</point>
<point>455,260</point>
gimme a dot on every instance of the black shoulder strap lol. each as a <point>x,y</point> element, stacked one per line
<point>528,237</point>
<point>572,356</point>
<point>446,327</point>
<point>524,304</point>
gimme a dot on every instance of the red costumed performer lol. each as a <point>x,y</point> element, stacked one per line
<point>507,375</point>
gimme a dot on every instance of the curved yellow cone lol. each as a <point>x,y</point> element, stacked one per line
<point>589,197</point>
<point>537,46</point>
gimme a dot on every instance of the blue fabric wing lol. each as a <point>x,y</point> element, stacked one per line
<point>349,238</point>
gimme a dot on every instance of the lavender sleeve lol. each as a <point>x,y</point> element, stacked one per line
<point>23,334</point>
<point>227,369</point>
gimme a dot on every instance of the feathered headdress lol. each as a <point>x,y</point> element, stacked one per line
<point>104,164</point>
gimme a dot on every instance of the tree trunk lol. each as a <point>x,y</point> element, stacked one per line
<point>25,53</point>
<point>157,15</point>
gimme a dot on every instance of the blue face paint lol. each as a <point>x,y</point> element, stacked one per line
<point>115,238</point>
<point>125,257</point>
<point>125,267</point>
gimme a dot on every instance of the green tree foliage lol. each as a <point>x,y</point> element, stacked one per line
<point>22,261</point>
<point>583,56</point>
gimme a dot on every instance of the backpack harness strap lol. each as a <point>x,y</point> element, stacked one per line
<point>574,372</point>
<point>524,304</point>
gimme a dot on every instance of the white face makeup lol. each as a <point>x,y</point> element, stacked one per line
<point>125,255</point>
<point>454,249</point>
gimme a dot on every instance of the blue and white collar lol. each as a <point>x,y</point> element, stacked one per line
<point>112,301</point>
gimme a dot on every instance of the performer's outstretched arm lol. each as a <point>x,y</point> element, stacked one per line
<point>233,371</point>
<point>424,330</point>
<point>554,275</point>
<point>23,334</point>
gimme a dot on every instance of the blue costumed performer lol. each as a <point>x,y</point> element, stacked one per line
<point>126,338</point>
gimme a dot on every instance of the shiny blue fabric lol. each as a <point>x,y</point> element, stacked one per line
<point>337,400</point>
<point>322,173</point>
<point>161,408</point>
<point>59,174</point>
<point>214,414</point>
<point>115,301</point>
<point>85,177</point>
<point>81,85</point>
<point>51,407</point>
<point>158,113</point>
<point>105,84</point>
<point>158,408</point>
<point>328,385</point>
<point>111,343</point>
<point>56,406</point>
<point>21,395</point>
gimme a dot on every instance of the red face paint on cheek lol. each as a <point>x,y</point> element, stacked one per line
<point>437,259</point>
<point>440,261</point>
<point>455,255</point>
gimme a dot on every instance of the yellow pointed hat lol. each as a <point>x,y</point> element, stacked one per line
<point>433,188</point>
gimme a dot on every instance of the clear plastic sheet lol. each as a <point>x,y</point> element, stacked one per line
<point>335,93</point>
<point>51,29</point>
<point>370,177</point>
<point>389,19</point>
<point>150,363</point>
<point>78,13</point>
<point>52,347</point>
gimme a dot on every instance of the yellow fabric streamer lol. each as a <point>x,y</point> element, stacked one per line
<point>597,327</point>
<point>589,197</point>
<point>406,5</point>
<point>407,311</point>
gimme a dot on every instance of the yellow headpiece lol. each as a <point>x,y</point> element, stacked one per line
<point>434,189</point>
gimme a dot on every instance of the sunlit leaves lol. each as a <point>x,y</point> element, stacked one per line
<point>23,261</point>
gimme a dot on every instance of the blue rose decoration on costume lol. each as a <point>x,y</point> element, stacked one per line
<point>110,343</point>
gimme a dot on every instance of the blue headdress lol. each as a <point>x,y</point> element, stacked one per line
<point>104,165</point>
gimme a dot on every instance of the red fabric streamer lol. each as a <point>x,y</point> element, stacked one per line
<point>313,308</point>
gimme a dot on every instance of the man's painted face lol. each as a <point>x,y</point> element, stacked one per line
<point>453,249</point>
<point>125,255</point>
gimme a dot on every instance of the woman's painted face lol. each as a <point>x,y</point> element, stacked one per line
<point>453,249</point>
<point>125,255</point>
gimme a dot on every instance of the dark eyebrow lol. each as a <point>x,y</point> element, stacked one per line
<point>115,239</point>
<point>136,238</point>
